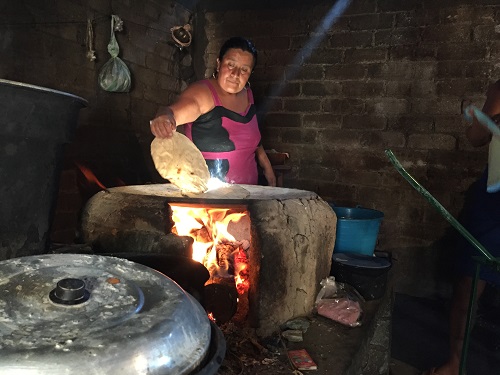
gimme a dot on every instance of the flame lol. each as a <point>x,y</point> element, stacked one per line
<point>211,317</point>
<point>214,246</point>
<point>90,176</point>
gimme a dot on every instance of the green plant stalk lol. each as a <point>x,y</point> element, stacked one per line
<point>454,222</point>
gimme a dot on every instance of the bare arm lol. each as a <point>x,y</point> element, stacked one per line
<point>191,104</point>
<point>477,134</point>
<point>266,166</point>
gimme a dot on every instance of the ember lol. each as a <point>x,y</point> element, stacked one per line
<point>241,271</point>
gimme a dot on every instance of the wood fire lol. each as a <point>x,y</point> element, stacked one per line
<point>224,254</point>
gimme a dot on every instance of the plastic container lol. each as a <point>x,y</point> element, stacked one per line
<point>357,229</point>
<point>367,274</point>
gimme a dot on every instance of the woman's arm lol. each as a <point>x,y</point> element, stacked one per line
<point>266,166</point>
<point>191,104</point>
<point>477,134</point>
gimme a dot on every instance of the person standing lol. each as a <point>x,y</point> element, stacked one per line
<point>220,117</point>
<point>481,217</point>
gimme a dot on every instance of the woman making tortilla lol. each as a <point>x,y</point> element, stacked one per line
<point>220,118</point>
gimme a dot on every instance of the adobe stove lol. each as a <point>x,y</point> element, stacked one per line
<point>281,240</point>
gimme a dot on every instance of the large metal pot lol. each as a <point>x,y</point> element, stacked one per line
<point>35,123</point>
<point>90,314</point>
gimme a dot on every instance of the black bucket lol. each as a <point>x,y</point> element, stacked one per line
<point>35,123</point>
<point>367,274</point>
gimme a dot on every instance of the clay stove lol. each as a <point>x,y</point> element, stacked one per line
<point>292,238</point>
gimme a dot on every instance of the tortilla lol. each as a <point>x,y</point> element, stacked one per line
<point>178,160</point>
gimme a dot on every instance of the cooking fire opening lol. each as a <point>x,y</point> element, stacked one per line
<point>222,243</point>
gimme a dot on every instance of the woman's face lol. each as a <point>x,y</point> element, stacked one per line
<point>234,70</point>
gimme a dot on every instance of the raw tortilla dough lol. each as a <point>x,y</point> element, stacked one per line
<point>178,160</point>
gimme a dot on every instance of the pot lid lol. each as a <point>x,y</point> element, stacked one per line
<point>89,314</point>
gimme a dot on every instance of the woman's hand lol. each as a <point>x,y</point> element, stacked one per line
<point>163,125</point>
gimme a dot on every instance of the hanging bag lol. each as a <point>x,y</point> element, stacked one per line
<point>114,75</point>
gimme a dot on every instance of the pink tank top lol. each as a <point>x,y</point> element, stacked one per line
<point>228,140</point>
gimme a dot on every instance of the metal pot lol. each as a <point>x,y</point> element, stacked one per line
<point>35,123</point>
<point>90,314</point>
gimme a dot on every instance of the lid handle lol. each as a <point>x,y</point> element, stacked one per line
<point>69,292</point>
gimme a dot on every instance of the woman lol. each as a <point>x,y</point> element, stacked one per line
<point>220,118</point>
<point>481,217</point>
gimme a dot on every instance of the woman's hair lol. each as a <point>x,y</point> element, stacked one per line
<point>239,42</point>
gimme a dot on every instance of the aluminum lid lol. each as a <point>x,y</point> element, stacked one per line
<point>89,314</point>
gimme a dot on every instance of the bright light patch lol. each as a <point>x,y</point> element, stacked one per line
<point>214,183</point>
<point>316,37</point>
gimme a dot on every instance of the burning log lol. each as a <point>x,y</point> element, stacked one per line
<point>221,299</point>
<point>224,258</point>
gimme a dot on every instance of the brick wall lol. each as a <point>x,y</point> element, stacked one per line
<point>44,43</point>
<point>384,74</point>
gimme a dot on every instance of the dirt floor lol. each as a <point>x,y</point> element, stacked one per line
<point>418,341</point>
<point>331,345</point>
<point>246,354</point>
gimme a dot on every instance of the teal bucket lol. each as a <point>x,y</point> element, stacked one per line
<point>357,229</point>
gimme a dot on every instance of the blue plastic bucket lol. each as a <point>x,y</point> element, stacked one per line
<point>357,229</point>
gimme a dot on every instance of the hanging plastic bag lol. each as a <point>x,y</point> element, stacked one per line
<point>114,75</point>
<point>339,302</point>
